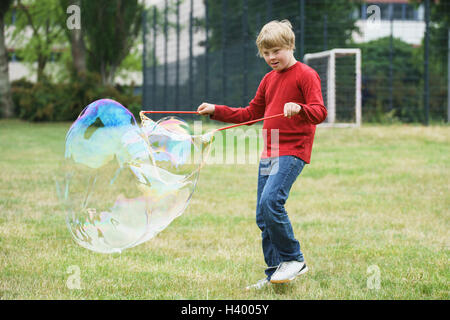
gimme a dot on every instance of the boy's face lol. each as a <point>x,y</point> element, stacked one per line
<point>278,58</point>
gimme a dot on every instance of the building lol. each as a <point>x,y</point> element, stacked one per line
<point>379,18</point>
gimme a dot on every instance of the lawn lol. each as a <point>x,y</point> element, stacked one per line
<point>374,204</point>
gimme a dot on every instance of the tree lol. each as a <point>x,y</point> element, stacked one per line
<point>6,103</point>
<point>107,33</point>
<point>439,33</point>
<point>37,31</point>
<point>110,28</point>
<point>407,77</point>
<point>438,57</point>
<point>76,39</point>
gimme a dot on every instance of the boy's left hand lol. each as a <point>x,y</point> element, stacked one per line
<point>291,109</point>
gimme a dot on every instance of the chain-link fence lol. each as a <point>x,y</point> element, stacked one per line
<point>204,50</point>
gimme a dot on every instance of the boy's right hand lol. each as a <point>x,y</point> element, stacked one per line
<point>206,109</point>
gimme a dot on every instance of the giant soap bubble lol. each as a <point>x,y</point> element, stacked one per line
<point>121,183</point>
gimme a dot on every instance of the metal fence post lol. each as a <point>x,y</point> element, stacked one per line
<point>325,32</point>
<point>177,63</point>
<point>261,69</point>
<point>165,54</point>
<point>191,74</point>
<point>302,29</point>
<point>154,58</point>
<point>448,76</point>
<point>391,54</point>
<point>269,10</point>
<point>426,99</point>
<point>206,51</point>
<point>224,42</point>
<point>245,49</point>
<point>144,58</point>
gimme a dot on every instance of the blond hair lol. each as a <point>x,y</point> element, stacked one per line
<point>276,34</point>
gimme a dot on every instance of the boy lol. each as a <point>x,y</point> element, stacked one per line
<point>294,89</point>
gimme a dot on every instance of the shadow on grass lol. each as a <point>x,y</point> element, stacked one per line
<point>283,288</point>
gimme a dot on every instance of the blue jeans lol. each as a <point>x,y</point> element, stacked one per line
<point>275,179</point>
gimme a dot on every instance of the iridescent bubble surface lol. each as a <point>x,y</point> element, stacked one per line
<point>121,183</point>
<point>176,159</point>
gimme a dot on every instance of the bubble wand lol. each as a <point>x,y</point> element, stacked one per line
<point>219,129</point>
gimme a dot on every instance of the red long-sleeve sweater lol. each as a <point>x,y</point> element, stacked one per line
<point>298,83</point>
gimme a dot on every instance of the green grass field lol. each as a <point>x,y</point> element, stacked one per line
<point>373,198</point>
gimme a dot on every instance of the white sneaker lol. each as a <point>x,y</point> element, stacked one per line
<point>287,271</point>
<point>259,285</point>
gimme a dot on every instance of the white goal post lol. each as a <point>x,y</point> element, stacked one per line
<point>340,74</point>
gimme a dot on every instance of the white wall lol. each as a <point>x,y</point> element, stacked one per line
<point>409,31</point>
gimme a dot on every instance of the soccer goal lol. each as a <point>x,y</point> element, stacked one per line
<point>340,74</point>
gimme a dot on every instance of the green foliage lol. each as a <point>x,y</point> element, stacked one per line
<point>6,103</point>
<point>46,101</point>
<point>4,6</point>
<point>110,27</point>
<point>438,52</point>
<point>407,76</point>
<point>38,29</point>
<point>379,115</point>
<point>438,58</point>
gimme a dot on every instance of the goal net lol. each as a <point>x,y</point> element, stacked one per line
<point>340,74</point>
